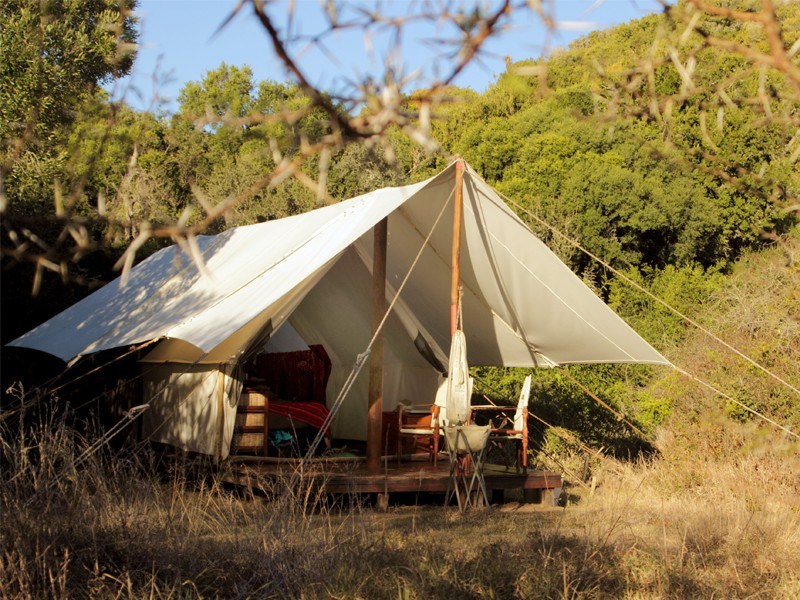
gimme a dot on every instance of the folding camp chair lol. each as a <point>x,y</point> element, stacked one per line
<point>518,432</point>
<point>422,421</point>
<point>425,420</point>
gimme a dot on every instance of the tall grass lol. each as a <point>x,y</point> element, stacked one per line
<point>697,528</point>
<point>121,528</point>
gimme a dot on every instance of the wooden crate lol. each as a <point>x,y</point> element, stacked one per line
<point>250,419</point>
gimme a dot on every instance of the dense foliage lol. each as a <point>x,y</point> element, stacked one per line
<point>672,192</point>
<point>634,189</point>
<point>53,57</point>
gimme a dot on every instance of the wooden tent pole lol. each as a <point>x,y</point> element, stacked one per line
<point>221,412</point>
<point>455,274</point>
<point>375,411</point>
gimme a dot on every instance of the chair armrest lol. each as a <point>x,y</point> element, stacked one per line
<point>419,408</point>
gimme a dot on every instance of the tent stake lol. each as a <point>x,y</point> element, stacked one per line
<point>374,414</point>
<point>455,275</point>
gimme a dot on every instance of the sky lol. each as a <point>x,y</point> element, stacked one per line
<point>181,40</point>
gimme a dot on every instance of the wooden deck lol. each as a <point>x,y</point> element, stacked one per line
<point>409,476</point>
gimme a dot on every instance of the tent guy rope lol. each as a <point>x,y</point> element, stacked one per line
<point>736,402</point>
<point>616,413</point>
<point>362,358</point>
<point>689,320</point>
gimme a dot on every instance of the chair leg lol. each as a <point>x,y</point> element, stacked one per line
<point>399,437</point>
<point>522,455</point>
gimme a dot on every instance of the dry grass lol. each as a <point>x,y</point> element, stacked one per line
<point>700,529</point>
<point>118,530</point>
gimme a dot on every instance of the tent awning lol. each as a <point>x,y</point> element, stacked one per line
<point>522,305</point>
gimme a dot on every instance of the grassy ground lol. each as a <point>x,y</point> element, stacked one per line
<point>115,530</point>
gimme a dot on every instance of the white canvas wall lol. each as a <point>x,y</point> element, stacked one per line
<point>184,409</point>
<point>337,314</point>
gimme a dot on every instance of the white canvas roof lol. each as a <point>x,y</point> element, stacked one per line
<point>522,306</point>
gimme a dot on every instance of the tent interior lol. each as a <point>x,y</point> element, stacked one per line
<point>335,314</point>
<point>342,333</point>
<point>271,295</point>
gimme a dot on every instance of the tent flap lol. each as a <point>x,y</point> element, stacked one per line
<point>522,305</point>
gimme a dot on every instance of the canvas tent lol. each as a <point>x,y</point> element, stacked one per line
<point>308,276</point>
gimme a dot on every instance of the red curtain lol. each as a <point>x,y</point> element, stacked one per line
<point>296,376</point>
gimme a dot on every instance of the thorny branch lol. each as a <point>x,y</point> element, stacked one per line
<point>382,106</point>
<point>636,94</point>
<point>385,109</point>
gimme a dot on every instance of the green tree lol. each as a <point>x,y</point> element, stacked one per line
<point>53,56</point>
<point>227,134</point>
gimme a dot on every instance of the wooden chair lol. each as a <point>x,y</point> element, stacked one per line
<point>518,430</point>
<point>422,420</point>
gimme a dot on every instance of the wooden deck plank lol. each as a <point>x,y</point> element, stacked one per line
<point>405,477</point>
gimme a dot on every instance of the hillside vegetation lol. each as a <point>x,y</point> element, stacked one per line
<point>685,194</point>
